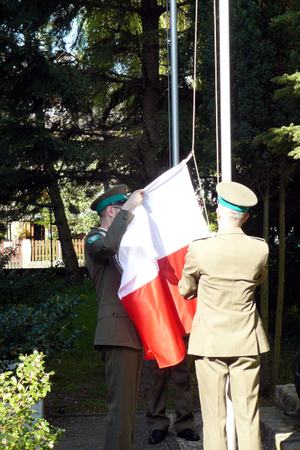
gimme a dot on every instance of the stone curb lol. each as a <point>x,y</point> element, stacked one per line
<point>278,431</point>
<point>281,432</point>
<point>286,398</point>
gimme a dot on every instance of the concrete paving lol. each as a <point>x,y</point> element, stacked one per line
<point>279,432</point>
<point>87,432</point>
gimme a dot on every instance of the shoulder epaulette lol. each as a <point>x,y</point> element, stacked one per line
<point>257,238</point>
<point>204,238</point>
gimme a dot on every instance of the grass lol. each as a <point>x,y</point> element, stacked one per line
<point>78,385</point>
<point>79,375</point>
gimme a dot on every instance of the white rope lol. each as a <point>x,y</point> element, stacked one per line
<point>194,112</point>
<point>169,84</point>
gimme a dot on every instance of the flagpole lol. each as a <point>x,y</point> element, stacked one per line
<point>225,120</point>
<point>174,83</point>
<point>225,114</point>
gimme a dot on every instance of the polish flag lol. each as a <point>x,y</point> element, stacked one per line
<point>152,254</point>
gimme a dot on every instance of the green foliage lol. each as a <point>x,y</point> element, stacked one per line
<point>77,203</point>
<point>44,107</point>
<point>47,327</point>
<point>36,312</point>
<point>3,230</point>
<point>283,141</point>
<point>258,55</point>
<point>28,288</point>
<point>19,429</point>
<point>5,257</point>
<point>80,374</point>
<point>292,86</point>
<point>288,23</point>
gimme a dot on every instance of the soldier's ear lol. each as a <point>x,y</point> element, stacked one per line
<point>109,210</point>
<point>246,217</point>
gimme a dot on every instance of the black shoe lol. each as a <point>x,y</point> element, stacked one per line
<point>295,415</point>
<point>157,436</point>
<point>188,434</point>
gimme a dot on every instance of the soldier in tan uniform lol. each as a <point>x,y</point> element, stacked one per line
<point>116,337</point>
<point>227,334</point>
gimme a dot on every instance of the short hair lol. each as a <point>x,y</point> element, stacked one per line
<point>103,213</point>
<point>232,214</point>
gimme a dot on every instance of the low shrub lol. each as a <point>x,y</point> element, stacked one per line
<point>47,327</point>
<point>37,311</point>
<point>5,257</point>
<point>19,429</point>
<point>30,287</point>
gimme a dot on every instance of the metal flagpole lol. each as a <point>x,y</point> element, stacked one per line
<point>225,90</point>
<point>225,119</point>
<point>174,83</point>
<point>225,133</point>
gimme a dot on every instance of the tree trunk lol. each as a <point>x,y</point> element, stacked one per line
<point>280,289</point>
<point>150,14</point>
<point>64,232</point>
<point>264,298</point>
<point>150,65</point>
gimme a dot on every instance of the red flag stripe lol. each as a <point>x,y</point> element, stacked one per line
<point>156,324</point>
<point>170,271</point>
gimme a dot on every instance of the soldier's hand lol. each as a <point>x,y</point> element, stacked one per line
<point>134,200</point>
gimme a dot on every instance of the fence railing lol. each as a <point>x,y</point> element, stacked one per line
<point>39,253</point>
<point>51,250</point>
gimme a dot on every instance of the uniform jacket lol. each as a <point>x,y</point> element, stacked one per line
<point>114,326</point>
<point>223,271</point>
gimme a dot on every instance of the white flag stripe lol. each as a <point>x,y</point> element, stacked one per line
<point>174,214</point>
<point>137,255</point>
<point>166,176</point>
<point>169,219</point>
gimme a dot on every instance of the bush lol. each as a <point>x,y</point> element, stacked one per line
<point>5,257</point>
<point>35,313</point>
<point>29,287</point>
<point>19,429</point>
<point>47,327</point>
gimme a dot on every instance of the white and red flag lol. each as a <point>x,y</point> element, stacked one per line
<point>152,254</point>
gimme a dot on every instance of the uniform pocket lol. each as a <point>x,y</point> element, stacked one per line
<point>107,311</point>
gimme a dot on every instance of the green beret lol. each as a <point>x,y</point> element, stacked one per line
<point>117,194</point>
<point>236,196</point>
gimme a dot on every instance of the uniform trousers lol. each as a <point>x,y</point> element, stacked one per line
<point>158,391</point>
<point>244,384</point>
<point>122,369</point>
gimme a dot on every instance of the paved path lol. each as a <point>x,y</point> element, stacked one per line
<point>86,432</point>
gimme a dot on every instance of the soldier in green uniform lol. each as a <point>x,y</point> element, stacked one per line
<point>227,334</point>
<point>157,419</point>
<point>116,337</point>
